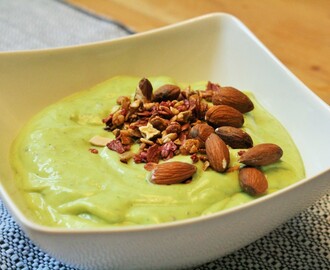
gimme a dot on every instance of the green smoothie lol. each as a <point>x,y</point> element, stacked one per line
<point>68,186</point>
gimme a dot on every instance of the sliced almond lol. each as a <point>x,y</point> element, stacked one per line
<point>217,153</point>
<point>252,181</point>
<point>261,155</point>
<point>99,140</point>
<point>174,172</point>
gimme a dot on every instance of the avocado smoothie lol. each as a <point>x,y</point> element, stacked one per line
<point>68,182</point>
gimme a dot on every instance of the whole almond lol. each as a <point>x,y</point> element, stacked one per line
<point>217,153</point>
<point>234,137</point>
<point>252,181</point>
<point>167,92</point>
<point>261,155</point>
<point>232,97</point>
<point>144,90</point>
<point>201,132</point>
<point>223,115</point>
<point>174,172</point>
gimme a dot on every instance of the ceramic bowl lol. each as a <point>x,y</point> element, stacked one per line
<point>216,47</point>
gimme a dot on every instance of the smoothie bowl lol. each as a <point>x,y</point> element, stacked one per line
<point>69,178</point>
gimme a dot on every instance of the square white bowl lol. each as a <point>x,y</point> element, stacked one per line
<point>215,47</point>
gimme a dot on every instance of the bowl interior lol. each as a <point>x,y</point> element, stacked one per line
<point>215,47</point>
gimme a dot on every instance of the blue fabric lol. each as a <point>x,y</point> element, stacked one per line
<point>301,243</point>
<point>38,24</point>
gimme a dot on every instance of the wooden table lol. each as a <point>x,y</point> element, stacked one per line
<point>296,31</point>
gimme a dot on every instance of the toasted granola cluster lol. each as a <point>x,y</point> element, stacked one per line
<point>162,122</point>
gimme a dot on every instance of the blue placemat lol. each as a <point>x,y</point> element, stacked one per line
<point>302,243</point>
<point>38,24</point>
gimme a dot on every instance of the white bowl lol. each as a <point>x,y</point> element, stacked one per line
<point>215,47</point>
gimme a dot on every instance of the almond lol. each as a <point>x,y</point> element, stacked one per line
<point>217,153</point>
<point>201,132</point>
<point>233,97</point>
<point>252,181</point>
<point>190,146</point>
<point>99,140</point>
<point>158,122</point>
<point>144,90</point>
<point>174,172</point>
<point>223,115</point>
<point>126,156</point>
<point>234,137</point>
<point>167,92</point>
<point>261,155</point>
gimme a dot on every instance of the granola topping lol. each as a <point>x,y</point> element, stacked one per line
<point>172,121</point>
<point>160,122</point>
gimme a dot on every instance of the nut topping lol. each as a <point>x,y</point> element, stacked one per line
<point>223,115</point>
<point>233,97</point>
<point>167,92</point>
<point>144,90</point>
<point>190,146</point>
<point>159,123</point>
<point>261,155</point>
<point>217,153</point>
<point>252,181</point>
<point>174,172</point>
<point>149,131</point>
<point>173,127</point>
<point>201,132</point>
<point>234,137</point>
<point>99,141</point>
<point>172,122</point>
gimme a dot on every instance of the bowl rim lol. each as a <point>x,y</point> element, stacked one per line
<point>34,226</point>
<point>133,35</point>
